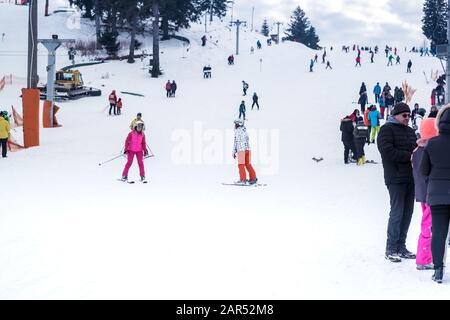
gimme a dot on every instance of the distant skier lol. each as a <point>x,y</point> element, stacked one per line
<point>252,50</point>
<point>377,92</point>
<point>371,56</point>
<point>168,88</point>
<point>3,36</point>
<point>207,71</point>
<point>391,59</point>
<point>173,89</point>
<point>231,60</point>
<point>204,40</point>
<point>315,58</point>
<point>113,102</point>
<point>119,106</point>
<point>258,45</point>
<point>242,110</point>
<point>242,151</point>
<point>136,120</point>
<point>255,100</point>
<point>328,65</point>
<point>324,56</point>
<point>311,65</point>
<point>135,145</point>
<point>358,61</point>
<point>397,61</point>
<point>408,70</point>
<point>244,87</point>
<point>5,129</point>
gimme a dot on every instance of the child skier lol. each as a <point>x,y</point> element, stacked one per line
<point>242,151</point>
<point>255,100</point>
<point>360,136</point>
<point>119,106</point>
<point>135,145</point>
<point>424,258</point>
<point>138,119</point>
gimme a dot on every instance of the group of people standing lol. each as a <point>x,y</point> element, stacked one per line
<point>171,88</point>
<point>417,170</point>
<point>115,104</point>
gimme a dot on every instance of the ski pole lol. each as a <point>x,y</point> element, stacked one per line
<point>102,163</point>
<point>105,109</point>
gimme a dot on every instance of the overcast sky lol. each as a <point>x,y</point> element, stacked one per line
<point>344,21</point>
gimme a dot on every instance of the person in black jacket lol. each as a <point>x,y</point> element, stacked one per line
<point>360,134</point>
<point>436,166</point>
<point>396,142</point>
<point>347,138</point>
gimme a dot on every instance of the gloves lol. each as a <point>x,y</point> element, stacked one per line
<point>125,151</point>
<point>145,152</point>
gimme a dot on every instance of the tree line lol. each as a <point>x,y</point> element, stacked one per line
<point>133,16</point>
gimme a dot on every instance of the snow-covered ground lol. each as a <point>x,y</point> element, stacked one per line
<point>69,230</point>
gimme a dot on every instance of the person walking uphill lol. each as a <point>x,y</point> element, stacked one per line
<point>377,92</point>
<point>5,129</point>
<point>360,136</point>
<point>136,120</point>
<point>435,166</point>
<point>241,150</point>
<point>255,100</point>
<point>396,142</point>
<point>424,259</point>
<point>135,145</point>
<point>168,89</point>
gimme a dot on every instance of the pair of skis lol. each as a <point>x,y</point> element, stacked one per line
<point>131,181</point>
<point>245,185</point>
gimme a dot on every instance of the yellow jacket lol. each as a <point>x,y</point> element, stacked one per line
<point>4,128</point>
<point>133,123</point>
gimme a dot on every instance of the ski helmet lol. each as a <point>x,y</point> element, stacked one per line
<point>139,124</point>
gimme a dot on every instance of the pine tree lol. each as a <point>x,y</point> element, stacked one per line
<point>108,40</point>
<point>435,21</point>
<point>265,29</point>
<point>300,30</point>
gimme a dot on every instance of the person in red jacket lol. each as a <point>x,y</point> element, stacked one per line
<point>135,145</point>
<point>358,61</point>
<point>168,88</point>
<point>119,106</point>
<point>113,102</point>
<point>367,122</point>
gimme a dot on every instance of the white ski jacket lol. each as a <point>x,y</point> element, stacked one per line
<point>241,140</point>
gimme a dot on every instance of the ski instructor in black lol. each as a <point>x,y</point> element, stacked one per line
<point>396,142</point>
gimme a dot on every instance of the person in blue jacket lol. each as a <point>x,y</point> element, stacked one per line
<point>377,91</point>
<point>374,118</point>
<point>311,65</point>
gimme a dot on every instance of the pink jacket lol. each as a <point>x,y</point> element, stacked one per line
<point>135,142</point>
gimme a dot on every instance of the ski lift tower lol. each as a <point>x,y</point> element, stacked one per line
<point>443,51</point>
<point>238,24</point>
<point>52,45</point>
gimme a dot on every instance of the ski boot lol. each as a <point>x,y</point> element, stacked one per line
<point>124,179</point>
<point>438,275</point>
<point>405,254</point>
<point>252,181</point>
<point>429,266</point>
<point>241,182</point>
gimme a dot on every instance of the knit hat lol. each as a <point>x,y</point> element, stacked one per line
<point>400,107</point>
<point>428,128</point>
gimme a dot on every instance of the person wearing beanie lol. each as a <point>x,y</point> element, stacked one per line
<point>435,166</point>
<point>433,112</point>
<point>360,136</point>
<point>423,259</point>
<point>396,143</point>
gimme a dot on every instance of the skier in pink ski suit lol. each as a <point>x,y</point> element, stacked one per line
<point>135,145</point>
